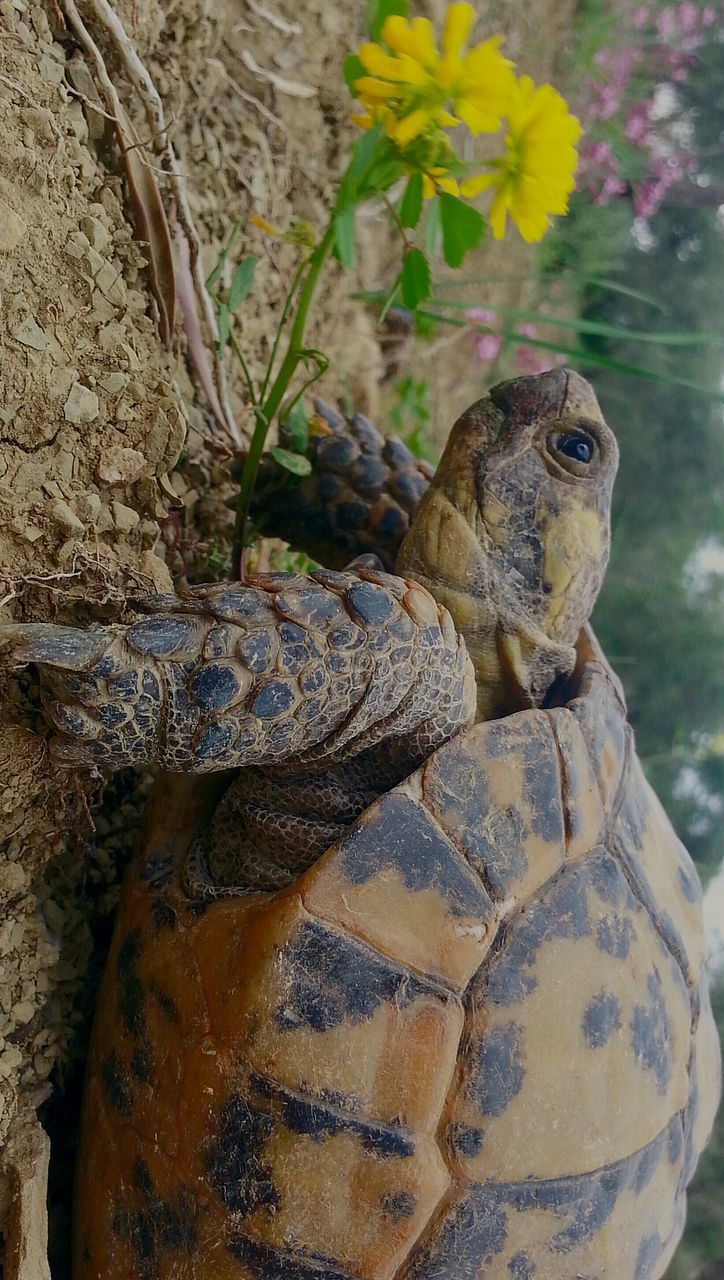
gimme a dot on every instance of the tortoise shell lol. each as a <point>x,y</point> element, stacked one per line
<point>472,1042</point>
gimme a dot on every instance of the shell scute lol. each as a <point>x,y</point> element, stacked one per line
<point>396,881</point>
<point>496,791</point>
<point>323,1015</point>
<point>705,1072</point>
<point>562,1228</point>
<point>601,715</point>
<point>661,870</point>
<point>622,1028</point>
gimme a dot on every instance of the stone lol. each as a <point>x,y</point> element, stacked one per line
<point>81,405</point>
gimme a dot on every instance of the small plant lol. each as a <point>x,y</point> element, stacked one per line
<point>415,97</point>
<point>410,416</point>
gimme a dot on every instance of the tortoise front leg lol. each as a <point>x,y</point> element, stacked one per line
<point>359,497</point>
<point>289,671</point>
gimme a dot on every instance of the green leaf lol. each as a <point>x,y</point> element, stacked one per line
<point>415,279</point>
<point>411,206</point>
<point>462,228</point>
<point>242,280</point>
<point>224,326</point>
<point>380,10</point>
<point>363,157</point>
<point>294,462</point>
<point>216,272</point>
<point>431,225</point>
<point>297,427</point>
<point>383,173</point>
<point>352,70</point>
<point>344,236</point>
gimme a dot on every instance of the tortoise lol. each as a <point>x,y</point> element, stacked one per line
<point>419,993</point>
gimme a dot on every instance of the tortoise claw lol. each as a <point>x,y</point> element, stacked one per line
<point>54,646</point>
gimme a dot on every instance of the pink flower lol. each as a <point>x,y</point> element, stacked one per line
<point>611,187</point>
<point>479,315</point>
<point>639,17</point>
<point>527,330</point>
<point>708,16</point>
<point>666,24</point>
<point>637,123</point>
<point>601,152</point>
<point>530,362</point>
<point>487,345</point>
<point>688,17</point>
<point>608,101</point>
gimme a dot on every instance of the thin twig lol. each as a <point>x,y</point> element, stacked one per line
<point>148,93</point>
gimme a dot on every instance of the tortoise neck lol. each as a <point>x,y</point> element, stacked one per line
<point>515,661</point>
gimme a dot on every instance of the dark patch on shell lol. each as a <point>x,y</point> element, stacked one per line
<point>499,1069</point>
<point>465,1139</point>
<point>399,834</point>
<point>398,1205</point>
<point>265,1263</point>
<point>161,1226</point>
<point>330,980</point>
<point>601,1018</point>
<point>651,1034</point>
<point>521,1267</point>
<point>234,1157</point>
<point>311,1117</point>
<point>647,1256</point>
<point>472,1233</point>
<point>614,935</point>
<point>116,1084</point>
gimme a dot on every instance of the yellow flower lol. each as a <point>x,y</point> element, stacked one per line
<point>257,221</point>
<point>412,86</point>
<point>536,175</point>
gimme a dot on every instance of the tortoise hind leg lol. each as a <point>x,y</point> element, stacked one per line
<point>359,497</point>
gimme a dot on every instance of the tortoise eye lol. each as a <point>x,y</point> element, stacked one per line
<point>574,450</point>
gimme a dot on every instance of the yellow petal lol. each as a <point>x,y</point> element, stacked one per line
<point>367,87</point>
<point>403,69</point>
<point>426,49</point>
<point>477,121</point>
<point>446,120</point>
<point>411,126</point>
<point>397,33</point>
<point>448,184</point>
<point>365,122</point>
<point>498,215</point>
<point>458,21</point>
<point>472,187</point>
<point>485,62</point>
<point>428,187</point>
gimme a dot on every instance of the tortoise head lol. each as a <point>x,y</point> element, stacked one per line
<point>513,535</point>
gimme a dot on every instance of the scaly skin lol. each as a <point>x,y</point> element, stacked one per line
<point>359,497</point>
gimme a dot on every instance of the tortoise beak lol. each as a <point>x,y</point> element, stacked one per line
<point>559,393</point>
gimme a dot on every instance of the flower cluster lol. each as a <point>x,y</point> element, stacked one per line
<point>487,343</point>
<point>634,146</point>
<point>416,91</point>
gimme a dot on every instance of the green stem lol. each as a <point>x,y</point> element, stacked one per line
<point>280,327</point>
<point>267,410</point>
